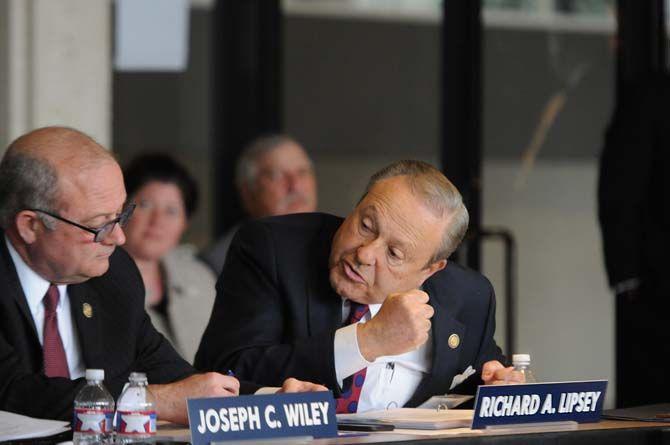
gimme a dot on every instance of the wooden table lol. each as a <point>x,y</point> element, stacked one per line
<point>605,432</point>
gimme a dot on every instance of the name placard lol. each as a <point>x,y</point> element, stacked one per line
<point>581,402</point>
<point>263,416</point>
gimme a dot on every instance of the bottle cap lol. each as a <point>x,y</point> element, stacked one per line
<point>137,377</point>
<point>521,359</point>
<point>95,374</point>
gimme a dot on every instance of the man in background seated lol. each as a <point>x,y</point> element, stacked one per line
<point>274,176</point>
<point>368,306</point>
<point>69,300</point>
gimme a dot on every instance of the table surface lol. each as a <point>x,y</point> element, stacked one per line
<point>624,430</point>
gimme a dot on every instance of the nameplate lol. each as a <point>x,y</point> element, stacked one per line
<point>262,417</point>
<point>581,402</point>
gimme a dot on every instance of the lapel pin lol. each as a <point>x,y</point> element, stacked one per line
<point>454,341</point>
<point>87,309</point>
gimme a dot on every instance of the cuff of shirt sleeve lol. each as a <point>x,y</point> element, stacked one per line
<point>266,390</point>
<point>348,358</point>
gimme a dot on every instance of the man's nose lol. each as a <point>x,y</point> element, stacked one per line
<point>116,237</point>
<point>366,254</point>
<point>291,180</point>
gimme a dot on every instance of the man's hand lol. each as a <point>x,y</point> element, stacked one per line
<point>295,385</point>
<point>170,399</point>
<point>401,325</point>
<point>494,373</point>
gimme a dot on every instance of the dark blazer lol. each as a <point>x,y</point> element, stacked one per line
<point>118,338</point>
<point>634,188</point>
<point>275,314</point>
<point>634,211</point>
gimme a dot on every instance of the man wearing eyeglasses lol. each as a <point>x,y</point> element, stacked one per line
<point>69,300</point>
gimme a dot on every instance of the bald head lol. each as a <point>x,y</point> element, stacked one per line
<point>37,165</point>
<point>61,147</point>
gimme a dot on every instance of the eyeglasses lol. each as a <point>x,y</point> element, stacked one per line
<point>102,231</point>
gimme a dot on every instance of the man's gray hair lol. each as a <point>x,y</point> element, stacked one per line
<point>26,182</point>
<point>246,169</point>
<point>438,193</point>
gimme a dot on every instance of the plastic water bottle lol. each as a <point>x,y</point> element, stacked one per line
<point>135,411</point>
<point>93,411</point>
<point>522,372</point>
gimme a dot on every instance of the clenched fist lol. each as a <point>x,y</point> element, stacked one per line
<point>401,325</point>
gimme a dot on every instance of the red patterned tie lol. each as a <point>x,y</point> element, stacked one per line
<point>348,401</point>
<point>55,361</point>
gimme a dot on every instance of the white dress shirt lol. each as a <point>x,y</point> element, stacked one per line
<point>34,288</point>
<point>390,381</point>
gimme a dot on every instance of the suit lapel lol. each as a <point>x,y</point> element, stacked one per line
<point>324,306</point>
<point>11,286</point>
<point>445,358</point>
<point>87,315</point>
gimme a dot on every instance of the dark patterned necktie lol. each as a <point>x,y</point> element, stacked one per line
<point>348,401</point>
<point>55,361</point>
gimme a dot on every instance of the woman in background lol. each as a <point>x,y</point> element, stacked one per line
<point>179,287</point>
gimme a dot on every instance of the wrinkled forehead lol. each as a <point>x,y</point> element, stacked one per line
<point>394,204</point>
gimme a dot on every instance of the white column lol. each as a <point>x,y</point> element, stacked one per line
<point>55,67</point>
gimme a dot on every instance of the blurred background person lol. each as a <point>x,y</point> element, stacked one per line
<point>274,176</point>
<point>634,212</point>
<point>179,287</point>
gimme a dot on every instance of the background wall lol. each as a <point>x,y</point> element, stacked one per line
<point>55,67</point>
<point>171,112</point>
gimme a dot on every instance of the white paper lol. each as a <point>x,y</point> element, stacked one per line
<point>448,401</point>
<point>15,426</point>
<point>414,418</point>
<point>151,35</point>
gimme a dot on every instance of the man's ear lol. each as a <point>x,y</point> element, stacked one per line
<point>28,225</point>
<point>435,267</point>
<point>247,198</point>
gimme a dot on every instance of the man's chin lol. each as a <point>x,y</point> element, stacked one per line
<point>346,289</point>
<point>101,267</point>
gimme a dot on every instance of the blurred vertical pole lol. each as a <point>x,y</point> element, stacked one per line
<point>246,88</point>
<point>461,112</point>
<point>641,41</point>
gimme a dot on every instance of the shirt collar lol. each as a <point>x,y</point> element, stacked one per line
<point>373,308</point>
<point>34,286</point>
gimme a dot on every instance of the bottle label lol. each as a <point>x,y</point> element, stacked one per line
<point>133,423</point>
<point>89,420</point>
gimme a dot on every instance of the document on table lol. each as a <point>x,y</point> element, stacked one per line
<point>15,426</point>
<point>412,418</point>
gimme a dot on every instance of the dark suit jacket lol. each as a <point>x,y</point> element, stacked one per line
<point>275,314</point>
<point>634,188</point>
<point>118,338</point>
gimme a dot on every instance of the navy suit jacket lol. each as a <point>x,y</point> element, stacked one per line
<point>118,338</point>
<point>275,314</point>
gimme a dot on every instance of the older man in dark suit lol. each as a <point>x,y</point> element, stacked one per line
<point>367,306</point>
<point>69,300</point>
